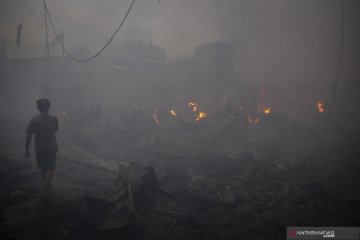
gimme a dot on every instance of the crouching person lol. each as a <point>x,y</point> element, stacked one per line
<point>44,127</point>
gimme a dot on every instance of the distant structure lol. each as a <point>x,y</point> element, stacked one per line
<point>3,48</point>
<point>5,78</point>
<point>140,66</point>
<point>139,50</point>
<point>137,61</point>
<point>216,57</point>
<point>205,75</point>
<point>134,71</point>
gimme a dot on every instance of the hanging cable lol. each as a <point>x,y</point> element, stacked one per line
<point>336,83</point>
<point>31,12</point>
<point>47,36</point>
<point>102,49</point>
<point>26,16</point>
<point>20,26</point>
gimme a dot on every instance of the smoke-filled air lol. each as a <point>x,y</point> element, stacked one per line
<point>169,119</point>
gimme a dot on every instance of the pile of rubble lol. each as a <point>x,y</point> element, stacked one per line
<point>214,179</point>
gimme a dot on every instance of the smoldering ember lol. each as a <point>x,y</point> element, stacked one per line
<point>178,119</point>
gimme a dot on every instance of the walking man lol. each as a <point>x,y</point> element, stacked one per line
<point>44,127</point>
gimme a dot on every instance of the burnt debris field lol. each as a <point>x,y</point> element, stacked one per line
<point>188,120</point>
<point>217,179</point>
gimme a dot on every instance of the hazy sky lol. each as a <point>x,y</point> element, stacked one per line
<point>272,39</point>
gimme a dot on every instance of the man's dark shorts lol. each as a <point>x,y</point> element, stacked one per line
<point>46,161</point>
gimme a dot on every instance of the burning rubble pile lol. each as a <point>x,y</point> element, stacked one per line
<point>222,176</point>
<point>195,174</point>
<point>175,131</point>
<point>197,113</point>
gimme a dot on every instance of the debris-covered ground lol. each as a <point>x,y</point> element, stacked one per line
<point>213,179</point>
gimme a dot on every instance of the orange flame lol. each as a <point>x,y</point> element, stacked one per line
<point>200,116</point>
<point>253,121</point>
<point>193,106</point>
<point>320,107</point>
<point>173,112</point>
<point>267,111</point>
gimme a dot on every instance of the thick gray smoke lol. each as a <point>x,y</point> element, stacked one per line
<point>294,40</point>
<point>203,119</point>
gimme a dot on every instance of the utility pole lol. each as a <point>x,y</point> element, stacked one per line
<point>18,36</point>
<point>3,46</point>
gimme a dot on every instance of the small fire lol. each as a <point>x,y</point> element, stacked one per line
<point>193,106</point>
<point>173,112</point>
<point>320,107</point>
<point>267,111</point>
<point>155,117</point>
<point>200,116</point>
<point>64,113</point>
<point>253,121</point>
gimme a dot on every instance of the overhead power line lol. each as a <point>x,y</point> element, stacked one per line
<point>101,50</point>
<point>31,12</point>
<point>47,35</point>
<point>26,16</point>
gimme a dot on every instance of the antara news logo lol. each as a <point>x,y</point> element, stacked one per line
<point>299,233</point>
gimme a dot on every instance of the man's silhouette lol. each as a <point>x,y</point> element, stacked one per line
<point>44,127</point>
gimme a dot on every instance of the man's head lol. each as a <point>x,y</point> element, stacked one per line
<point>43,105</point>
